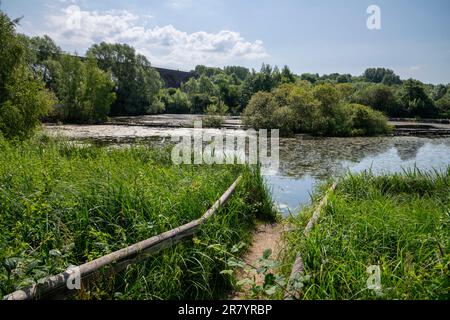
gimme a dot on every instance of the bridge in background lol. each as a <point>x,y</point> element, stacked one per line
<point>174,78</point>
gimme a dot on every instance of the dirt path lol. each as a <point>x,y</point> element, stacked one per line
<point>266,236</point>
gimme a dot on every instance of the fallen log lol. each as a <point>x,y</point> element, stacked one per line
<point>56,286</point>
<point>298,269</point>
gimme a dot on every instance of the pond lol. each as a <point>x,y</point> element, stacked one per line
<point>304,161</point>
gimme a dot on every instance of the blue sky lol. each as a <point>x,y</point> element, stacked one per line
<point>322,36</point>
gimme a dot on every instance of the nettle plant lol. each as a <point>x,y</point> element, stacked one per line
<point>273,284</point>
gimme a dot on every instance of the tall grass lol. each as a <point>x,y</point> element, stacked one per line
<point>63,204</point>
<point>399,222</point>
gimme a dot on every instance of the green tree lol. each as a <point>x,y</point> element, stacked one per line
<point>27,101</point>
<point>415,101</point>
<point>346,91</point>
<point>287,76</point>
<point>176,101</point>
<point>327,95</point>
<point>23,98</point>
<point>312,78</point>
<point>439,91</point>
<point>344,78</point>
<point>380,97</point>
<point>307,110</point>
<point>241,72</point>
<point>443,105</point>
<point>259,111</point>
<point>381,75</point>
<point>44,48</point>
<point>137,83</point>
<point>84,90</point>
<point>98,93</point>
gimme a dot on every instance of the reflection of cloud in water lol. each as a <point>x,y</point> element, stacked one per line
<point>427,157</point>
<point>289,193</point>
<point>409,151</point>
<point>303,160</point>
<point>326,157</point>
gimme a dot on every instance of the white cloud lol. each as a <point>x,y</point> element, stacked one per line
<point>180,4</point>
<point>164,46</point>
<point>417,68</point>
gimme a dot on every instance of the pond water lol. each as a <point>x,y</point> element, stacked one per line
<point>304,161</point>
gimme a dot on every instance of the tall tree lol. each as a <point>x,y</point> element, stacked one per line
<point>415,100</point>
<point>84,90</point>
<point>381,75</point>
<point>287,76</point>
<point>23,98</point>
<point>137,83</point>
<point>380,97</point>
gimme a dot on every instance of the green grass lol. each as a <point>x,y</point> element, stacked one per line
<point>399,222</point>
<point>63,204</point>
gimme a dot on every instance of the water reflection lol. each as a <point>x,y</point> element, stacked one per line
<point>304,160</point>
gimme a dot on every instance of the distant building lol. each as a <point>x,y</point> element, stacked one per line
<point>174,78</point>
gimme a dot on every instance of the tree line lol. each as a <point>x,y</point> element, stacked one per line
<point>38,81</point>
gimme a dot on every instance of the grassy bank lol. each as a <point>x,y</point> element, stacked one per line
<point>397,222</point>
<point>62,204</point>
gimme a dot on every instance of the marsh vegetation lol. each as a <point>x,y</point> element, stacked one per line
<point>397,222</point>
<point>64,204</point>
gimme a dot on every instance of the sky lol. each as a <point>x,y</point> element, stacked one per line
<point>320,36</point>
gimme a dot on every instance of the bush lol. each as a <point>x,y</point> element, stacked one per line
<point>215,115</point>
<point>284,120</point>
<point>366,121</point>
<point>213,121</point>
<point>259,111</point>
<point>318,111</point>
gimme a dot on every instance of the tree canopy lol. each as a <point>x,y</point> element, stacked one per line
<point>137,83</point>
<point>23,97</point>
<point>37,77</point>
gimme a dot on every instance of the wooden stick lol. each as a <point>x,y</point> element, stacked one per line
<point>121,258</point>
<point>298,268</point>
<point>317,212</point>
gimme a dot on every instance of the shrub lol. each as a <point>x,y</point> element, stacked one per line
<point>215,115</point>
<point>366,121</point>
<point>294,109</point>
<point>213,121</point>
<point>259,111</point>
<point>284,119</point>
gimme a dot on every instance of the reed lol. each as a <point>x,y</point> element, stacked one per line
<point>63,204</point>
<point>398,222</point>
